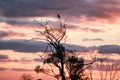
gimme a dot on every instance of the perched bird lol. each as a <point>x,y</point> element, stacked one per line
<point>58,16</point>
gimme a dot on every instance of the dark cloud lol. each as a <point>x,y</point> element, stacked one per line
<point>21,69</point>
<point>32,7</point>
<point>2,57</point>
<point>92,30</point>
<point>5,58</point>
<point>95,39</point>
<point>4,34</point>
<point>3,69</point>
<point>109,49</point>
<point>31,22</point>
<point>33,46</point>
<point>39,46</point>
<point>76,48</point>
<point>106,49</point>
<point>22,45</point>
<point>85,29</point>
<point>17,21</point>
<point>20,21</point>
<point>9,33</point>
<point>92,8</point>
<point>16,10</point>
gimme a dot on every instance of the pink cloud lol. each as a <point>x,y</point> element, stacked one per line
<point>92,30</point>
<point>4,34</point>
<point>95,39</point>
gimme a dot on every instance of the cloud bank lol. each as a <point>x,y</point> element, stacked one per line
<point>39,46</point>
<point>26,8</point>
<point>2,57</point>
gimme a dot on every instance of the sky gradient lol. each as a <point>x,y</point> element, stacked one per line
<point>93,27</point>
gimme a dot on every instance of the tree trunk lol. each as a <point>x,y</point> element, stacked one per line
<point>62,70</point>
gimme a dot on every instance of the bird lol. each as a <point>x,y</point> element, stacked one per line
<point>58,15</point>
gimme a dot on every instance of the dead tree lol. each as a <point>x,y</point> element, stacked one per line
<point>56,36</point>
<point>108,70</point>
<point>75,68</point>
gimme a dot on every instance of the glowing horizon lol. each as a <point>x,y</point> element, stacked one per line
<point>93,28</point>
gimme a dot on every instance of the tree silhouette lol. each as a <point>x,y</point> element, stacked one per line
<point>57,56</point>
<point>75,67</point>
<point>107,70</point>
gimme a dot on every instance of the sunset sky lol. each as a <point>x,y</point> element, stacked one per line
<point>93,26</point>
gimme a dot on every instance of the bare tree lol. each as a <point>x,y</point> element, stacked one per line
<point>108,70</point>
<point>57,57</point>
<point>54,35</point>
<point>75,68</point>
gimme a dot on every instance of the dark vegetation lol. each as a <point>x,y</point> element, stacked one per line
<point>64,64</point>
<point>58,57</point>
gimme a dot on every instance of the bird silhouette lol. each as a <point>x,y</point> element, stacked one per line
<point>58,15</point>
